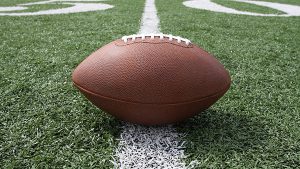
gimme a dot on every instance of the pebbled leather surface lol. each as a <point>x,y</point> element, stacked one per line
<point>151,114</point>
<point>154,79</point>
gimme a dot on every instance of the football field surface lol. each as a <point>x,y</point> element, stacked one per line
<point>46,123</point>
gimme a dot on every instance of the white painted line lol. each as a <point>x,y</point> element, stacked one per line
<point>150,20</point>
<point>13,8</point>
<point>75,8</point>
<point>51,1</point>
<point>290,10</point>
<point>150,147</point>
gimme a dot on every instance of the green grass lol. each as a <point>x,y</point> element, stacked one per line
<point>15,2</point>
<point>40,7</point>
<point>256,124</point>
<point>292,2</point>
<point>241,6</point>
<point>44,121</point>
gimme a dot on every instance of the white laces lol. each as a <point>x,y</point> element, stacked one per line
<point>152,36</point>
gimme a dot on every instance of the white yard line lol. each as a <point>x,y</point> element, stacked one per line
<point>14,8</point>
<point>290,10</point>
<point>75,8</point>
<point>150,147</point>
<point>150,20</point>
<point>50,1</point>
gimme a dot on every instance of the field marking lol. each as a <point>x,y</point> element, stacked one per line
<point>76,8</point>
<point>290,10</point>
<point>150,20</point>
<point>51,1</point>
<point>150,147</point>
<point>14,8</point>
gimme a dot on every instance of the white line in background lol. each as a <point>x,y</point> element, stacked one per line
<point>150,21</point>
<point>150,147</point>
<point>74,8</point>
<point>290,10</point>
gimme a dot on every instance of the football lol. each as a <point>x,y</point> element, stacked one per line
<point>151,79</point>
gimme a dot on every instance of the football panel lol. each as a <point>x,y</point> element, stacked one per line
<point>167,74</point>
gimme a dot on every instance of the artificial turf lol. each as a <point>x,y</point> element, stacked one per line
<point>35,8</point>
<point>44,121</point>
<point>293,2</point>
<point>257,123</point>
<point>241,6</point>
<point>15,2</point>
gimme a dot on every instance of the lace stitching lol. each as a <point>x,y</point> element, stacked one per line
<point>152,36</point>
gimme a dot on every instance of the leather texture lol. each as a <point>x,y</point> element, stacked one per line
<point>151,81</point>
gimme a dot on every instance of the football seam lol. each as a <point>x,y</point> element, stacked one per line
<point>134,102</point>
<point>154,43</point>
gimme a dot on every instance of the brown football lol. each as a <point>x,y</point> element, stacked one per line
<point>151,80</point>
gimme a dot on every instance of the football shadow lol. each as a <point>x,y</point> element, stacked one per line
<point>105,124</point>
<point>221,133</point>
<point>210,132</point>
